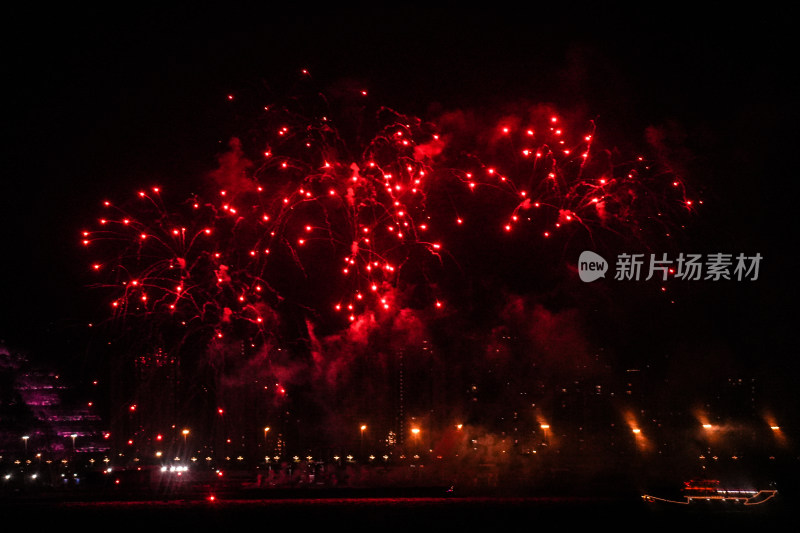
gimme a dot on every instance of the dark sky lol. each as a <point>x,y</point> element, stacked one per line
<point>101,102</point>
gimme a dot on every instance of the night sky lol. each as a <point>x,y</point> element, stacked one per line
<point>100,103</point>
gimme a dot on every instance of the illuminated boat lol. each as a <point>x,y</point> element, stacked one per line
<point>708,491</point>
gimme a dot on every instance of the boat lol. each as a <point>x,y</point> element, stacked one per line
<point>705,491</point>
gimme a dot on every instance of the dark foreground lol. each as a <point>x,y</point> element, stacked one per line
<point>382,513</point>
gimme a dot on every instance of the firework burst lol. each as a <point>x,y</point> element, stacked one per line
<point>338,226</point>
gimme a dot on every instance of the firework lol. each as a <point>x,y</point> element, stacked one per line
<point>311,209</point>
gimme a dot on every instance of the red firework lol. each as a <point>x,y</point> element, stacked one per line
<point>336,225</point>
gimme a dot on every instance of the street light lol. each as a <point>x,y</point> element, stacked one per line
<point>266,430</point>
<point>74,436</point>
<point>25,441</point>
<point>415,432</point>
<point>363,429</point>
<point>545,427</point>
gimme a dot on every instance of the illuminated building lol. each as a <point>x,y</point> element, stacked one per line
<point>36,417</point>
